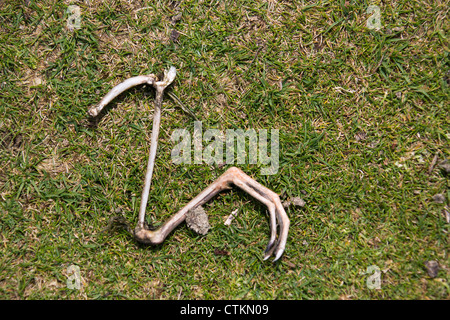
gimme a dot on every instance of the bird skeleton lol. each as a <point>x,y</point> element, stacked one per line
<point>232,176</point>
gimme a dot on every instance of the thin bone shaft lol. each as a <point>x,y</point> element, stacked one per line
<point>152,156</point>
<point>121,87</point>
<point>169,76</point>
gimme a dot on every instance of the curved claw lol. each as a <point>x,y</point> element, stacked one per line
<point>233,175</point>
<point>276,212</point>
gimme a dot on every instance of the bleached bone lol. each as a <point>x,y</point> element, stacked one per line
<point>151,79</point>
<point>233,176</point>
<point>127,84</point>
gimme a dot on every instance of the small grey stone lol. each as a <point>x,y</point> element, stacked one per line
<point>439,198</point>
<point>197,220</point>
<point>432,268</point>
<point>296,201</point>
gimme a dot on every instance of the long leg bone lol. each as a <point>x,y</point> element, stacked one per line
<point>169,76</point>
<point>240,179</point>
<point>160,86</point>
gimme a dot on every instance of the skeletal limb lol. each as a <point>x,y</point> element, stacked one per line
<point>169,76</point>
<point>238,178</point>
<point>231,176</point>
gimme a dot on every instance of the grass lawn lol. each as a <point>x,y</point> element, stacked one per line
<point>364,126</point>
